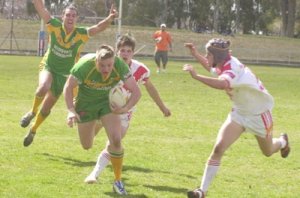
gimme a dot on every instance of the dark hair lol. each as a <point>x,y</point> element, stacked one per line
<point>105,52</point>
<point>126,40</point>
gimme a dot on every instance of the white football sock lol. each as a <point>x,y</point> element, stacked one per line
<point>282,141</point>
<point>102,161</point>
<point>210,171</point>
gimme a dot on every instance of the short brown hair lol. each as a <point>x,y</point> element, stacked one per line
<point>105,52</point>
<point>126,40</point>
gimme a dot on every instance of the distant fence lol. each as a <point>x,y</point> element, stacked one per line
<point>265,50</point>
<point>250,56</point>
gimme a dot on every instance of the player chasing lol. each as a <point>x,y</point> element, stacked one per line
<point>96,75</point>
<point>65,44</point>
<point>141,74</point>
<point>251,109</point>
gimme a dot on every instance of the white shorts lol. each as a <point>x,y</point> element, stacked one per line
<point>125,119</point>
<point>261,125</point>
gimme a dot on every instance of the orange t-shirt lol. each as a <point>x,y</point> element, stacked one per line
<point>165,40</point>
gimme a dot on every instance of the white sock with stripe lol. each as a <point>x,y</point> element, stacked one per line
<point>102,161</point>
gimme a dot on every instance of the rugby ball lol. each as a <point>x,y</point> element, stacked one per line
<point>118,96</point>
<point>158,39</point>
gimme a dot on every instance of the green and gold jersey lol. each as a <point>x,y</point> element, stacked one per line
<point>63,49</point>
<point>92,85</point>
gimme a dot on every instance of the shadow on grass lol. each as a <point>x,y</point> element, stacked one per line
<point>168,189</point>
<point>68,161</point>
<point>111,194</point>
<point>78,163</point>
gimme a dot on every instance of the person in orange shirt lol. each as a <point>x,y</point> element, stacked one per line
<point>163,43</point>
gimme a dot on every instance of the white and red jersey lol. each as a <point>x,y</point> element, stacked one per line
<point>141,74</point>
<point>246,91</point>
<point>139,71</point>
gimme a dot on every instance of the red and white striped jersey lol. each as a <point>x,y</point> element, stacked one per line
<point>246,91</point>
<point>140,72</point>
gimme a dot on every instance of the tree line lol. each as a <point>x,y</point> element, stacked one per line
<point>268,17</point>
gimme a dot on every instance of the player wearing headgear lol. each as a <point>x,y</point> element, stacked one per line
<point>251,106</point>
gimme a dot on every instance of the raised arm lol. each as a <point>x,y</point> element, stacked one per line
<point>200,58</point>
<point>42,11</point>
<point>102,25</point>
<point>152,91</point>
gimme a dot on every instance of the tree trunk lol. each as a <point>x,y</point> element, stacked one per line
<point>284,16</point>
<point>291,18</point>
<point>288,10</point>
<point>2,6</point>
<point>216,16</point>
<point>165,12</point>
<point>238,16</point>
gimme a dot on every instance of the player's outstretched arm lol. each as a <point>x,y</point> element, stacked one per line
<point>153,93</point>
<point>209,81</point>
<point>200,58</point>
<point>42,11</point>
<point>102,25</point>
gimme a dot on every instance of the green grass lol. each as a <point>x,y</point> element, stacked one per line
<point>164,157</point>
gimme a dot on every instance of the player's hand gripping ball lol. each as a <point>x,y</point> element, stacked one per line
<point>118,97</point>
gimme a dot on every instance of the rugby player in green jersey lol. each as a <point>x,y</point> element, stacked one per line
<point>95,75</point>
<point>65,44</point>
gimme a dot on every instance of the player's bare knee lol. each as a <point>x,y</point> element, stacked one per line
<point>115,143</point>
<point>42,90</point>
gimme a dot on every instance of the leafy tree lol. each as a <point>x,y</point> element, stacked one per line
<point>2,4</point>
<point>176,13</point>
<point>226,17</point>
<point>200,15</point>
<point>144,13</point>
<point>267,15</point>
<point>247,16</point>
<point>30,8</point>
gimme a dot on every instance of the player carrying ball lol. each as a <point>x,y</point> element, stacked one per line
<point>141,74</point>
<point>95,75</point>
<point>66,41</point>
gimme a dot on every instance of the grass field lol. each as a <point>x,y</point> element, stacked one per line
<point>164,156</point>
